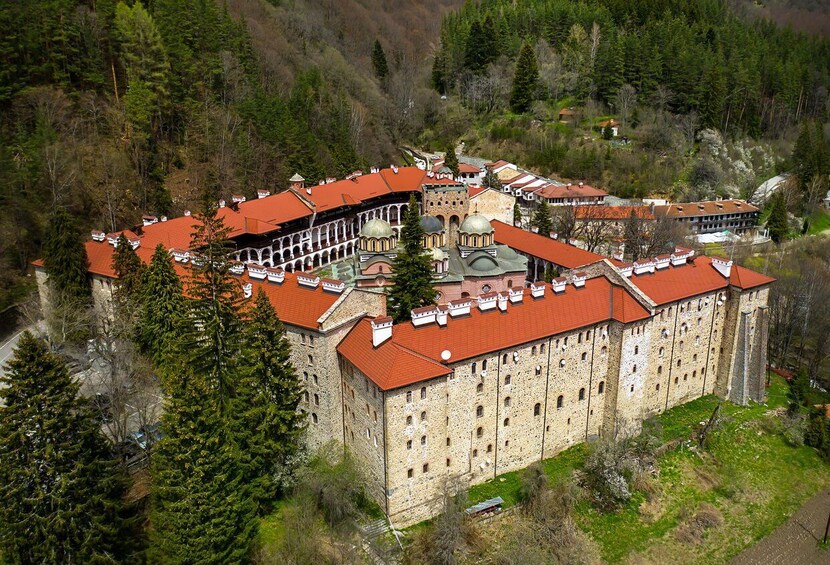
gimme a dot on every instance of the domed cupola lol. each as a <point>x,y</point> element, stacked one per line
<point>476,231</point>
<point>434,232</point>
<point>377,236</point>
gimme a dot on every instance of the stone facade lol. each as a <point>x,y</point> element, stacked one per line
<point>494,205</point>
<point>503,411</point>
<point>450,203</point>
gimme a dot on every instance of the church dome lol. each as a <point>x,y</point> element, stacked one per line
<point>431,224</point>
<point>377,228</point>
<point>476,225</point>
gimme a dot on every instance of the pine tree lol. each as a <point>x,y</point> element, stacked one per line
<point>61,492</point>
<point>202,511</point>
<point>379,61</point>
<point>475,49</point>
<point>142,49</point>
<point>65,260</point>
<point>271,427</point>
<point>163,308</point>
<point>491,180</point>
<point>525,80</point>
<point>128,268</point>
<point>490,39</point>
<point>778,222</point>
<point>412,270</point>
<point>451,161</point>
<point>517,215</point>
<point>439,71</point>
<point>541,219</point>
<point>216,336</point>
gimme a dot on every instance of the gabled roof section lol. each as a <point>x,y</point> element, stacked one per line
<point>612,212</point>
<point>705,208</point>
<point>569,191</point>
<point>745,278</point>
<point>279,208</point>
<point>419,349</point>
<point>550,250</point>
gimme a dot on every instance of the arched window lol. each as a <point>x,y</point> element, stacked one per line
<point>409,420</point>
<point>479,431</point>
<point>582,394</point>
<point>423,440</point>
<point>507,379</point>
<point>314,417</point>
<point>542,348</point>
<point>480,387</point>
<point>489,448</point>
<point>661,352</point>
<point>506,422</point>
<point>533,350</point>
<point>584,356</point>
<point>603,351</point>
<point>479,411</point>
<point>537,409</point>
<point>601,387</point>
<point>636,349</point>
<point>559,401</point>
<point>423,416</point>
<point>423,392</point>
<point>507,401</point>
<point>504,359</point>
<point>473,368</point>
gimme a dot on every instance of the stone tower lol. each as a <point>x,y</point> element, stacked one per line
<point>450,203</point>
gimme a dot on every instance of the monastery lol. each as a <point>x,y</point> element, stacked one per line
<point>492,379</point>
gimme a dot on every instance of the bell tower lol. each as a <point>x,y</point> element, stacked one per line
<point>447,201</point>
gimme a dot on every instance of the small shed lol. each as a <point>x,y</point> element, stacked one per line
<point>486,508</point>
<point>567,115</point>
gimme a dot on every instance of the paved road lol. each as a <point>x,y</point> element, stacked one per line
<point>795,541</point>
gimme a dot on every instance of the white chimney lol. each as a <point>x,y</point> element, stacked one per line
<point>723,266</point>
<point>222,203</point>
<point>275,275</point>
<point>256,271</point>
<point>237,268</point>
<point>164,218</point>
<point>662,261</point>
<point>441,316</point>
<point>238,198</point>
<point>98,235</point>
<point>424,315</point>
<point>627,269</point>
<point>578,279</point>
<point>459,307</point>
<point>558,284</point>
<point>642,266</point>
<point>381,330</point>
<point>487,301</point>
<point>503,296</point>
<point>334,285</point>
<point>262,193</point>
<point>247,290</point>
<point>537,289</point>
<point>308,281</point>
<point>187,212</point>
<point>517,294</point>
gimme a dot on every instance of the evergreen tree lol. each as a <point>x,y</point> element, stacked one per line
<point>145,57</point>
<point>517,215</point>
<point>490,39</point>
<point>65,260</point>
<point>412,270</point>
<point>216,335</point>
<point>271,427</point>
<point>475,50</point>
<point>541,219</point>
<point>451,161</point>
<point>778,222</point>
<point>491,180</point>
<point>439,72</point>
<point>525,80</point>
<point>163,309</point>
<point>811,153</point>
<point>550,274</point>
<point>202,511</point>
<point>379,61</point>
<point>128,268</point>
<point>60,489</point>
<point>712,97</point>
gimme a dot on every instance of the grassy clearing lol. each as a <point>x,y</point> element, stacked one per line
<point>819,222</point>
<point>748,473</point>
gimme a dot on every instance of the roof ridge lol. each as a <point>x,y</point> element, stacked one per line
<point>312,207</point>
<point>416,354</point>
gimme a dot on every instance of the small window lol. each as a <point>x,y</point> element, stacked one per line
<point>479,411</point>
<point>316,399</point>
<point>315,379</point>
<point>582,394</point>
<point>409,473</point>
<point>660,370</point>
<point>634,369</point>
<point>584,356</point>
<point>475,453</point>
<point>310,360</point>
<point>480,387</point>
<point>409,420</point>
<point>603,351</point>
<point>423,416</point>
<point>636,349</point>
<point>423,392</point>
<point>409,396</point>
<point>423,440</point>
<point>479,431</point>
<point>661,351</point>
<point>562,363</point>
<point>448,442</point>
<point>538,370</point>
<point>537,409</point>
<point>678,362</point>
<point>504,359</point>
<point>507,401</point>
<point>542,348</point>
<point>409,444</point>
<point>559,401</point>
<point>473,368</point>
<point>533,350</point>
<point>448,461</point>
<point>658,386</point>
<point>484,365</point>
<point>507,379</point>
<point>314,417</point>
<point>601,387</point>
<point>489,448</point>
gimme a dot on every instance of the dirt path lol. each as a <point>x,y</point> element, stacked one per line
<point>795,541</point>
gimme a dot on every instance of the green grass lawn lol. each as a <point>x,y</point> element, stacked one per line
<point>819,222</point>
<point>749,473</point>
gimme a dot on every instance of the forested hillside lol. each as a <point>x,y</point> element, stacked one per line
<point>114,109</point>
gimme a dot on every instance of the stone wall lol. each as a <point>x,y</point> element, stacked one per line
<point>494,205</point>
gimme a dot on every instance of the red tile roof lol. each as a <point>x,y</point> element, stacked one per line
<point>705,208</point>
<point>692,279</point>
<point>570,191</point>
<point>545,248</point>
<point>277,209</point>
<point>612,212</point>
<point>475,190</point>
<point>413,354</point>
